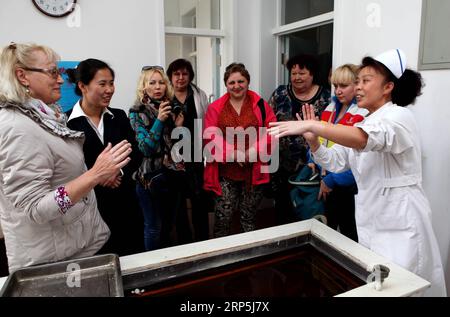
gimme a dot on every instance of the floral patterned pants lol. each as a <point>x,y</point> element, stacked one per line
<point>235,197</point>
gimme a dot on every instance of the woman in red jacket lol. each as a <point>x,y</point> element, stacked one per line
<point>235,169</point>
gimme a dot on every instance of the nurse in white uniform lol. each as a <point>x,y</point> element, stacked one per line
<point>393,216</point>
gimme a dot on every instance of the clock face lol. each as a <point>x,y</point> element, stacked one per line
<point>55,8</point>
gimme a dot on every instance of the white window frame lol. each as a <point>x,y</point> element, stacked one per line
<point>171,30</point>
<point>225,34</point>
<point>297,26</point>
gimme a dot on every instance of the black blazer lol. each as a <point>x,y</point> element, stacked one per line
<point>119,207</point>
<point>116,129</point>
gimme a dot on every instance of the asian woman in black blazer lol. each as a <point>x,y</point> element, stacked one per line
<point>116,198</point>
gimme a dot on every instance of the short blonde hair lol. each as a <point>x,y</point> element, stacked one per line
<point>143,82</point>
<point>345,74</point>
<point>15,56</point>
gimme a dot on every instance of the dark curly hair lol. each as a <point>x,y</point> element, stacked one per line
<point>304,61</point>
<point>180,64</point>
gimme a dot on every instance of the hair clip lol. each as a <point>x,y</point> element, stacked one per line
<point>12,46</point>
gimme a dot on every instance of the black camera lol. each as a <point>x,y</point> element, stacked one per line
<point>177,108</point>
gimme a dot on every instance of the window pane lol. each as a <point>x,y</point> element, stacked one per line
<point>316,41</point>
<point>202,14</point>
<point>202,52</point>
<point>296,10</point>
<point>434,51</point>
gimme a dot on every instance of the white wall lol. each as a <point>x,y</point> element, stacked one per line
<point>357,34</point>
<point>433,114</point>
<point>126,34</point>
<point>256,47</point>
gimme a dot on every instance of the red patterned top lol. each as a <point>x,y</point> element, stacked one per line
<point>230,118</point>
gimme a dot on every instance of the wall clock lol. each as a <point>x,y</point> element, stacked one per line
<point>55,8</point>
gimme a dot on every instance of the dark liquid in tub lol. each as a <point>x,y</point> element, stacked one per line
<point>300,272</point>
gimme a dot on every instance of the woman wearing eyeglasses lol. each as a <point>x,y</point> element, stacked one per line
<point>160,177</point>
<point>48,208</point>
<point>194,102</point>
<point>101,124</point>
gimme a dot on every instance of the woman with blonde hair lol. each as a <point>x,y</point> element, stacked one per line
<point>153,120</point>
<point>48,208</point>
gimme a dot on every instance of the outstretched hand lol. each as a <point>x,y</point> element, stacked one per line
<point>303,127</point>
<point>300,127</point>
<point>308,115</point>
<point>285,128</point>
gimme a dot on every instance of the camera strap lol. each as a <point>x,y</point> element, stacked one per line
<point>262,109</point>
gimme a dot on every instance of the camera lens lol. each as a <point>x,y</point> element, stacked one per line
<point>176,108</point>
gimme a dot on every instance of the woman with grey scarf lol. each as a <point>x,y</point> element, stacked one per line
<point>48,209</point>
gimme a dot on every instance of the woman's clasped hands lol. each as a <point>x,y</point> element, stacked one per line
<point>109,163</point>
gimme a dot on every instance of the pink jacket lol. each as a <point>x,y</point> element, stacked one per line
<point>263,146</point>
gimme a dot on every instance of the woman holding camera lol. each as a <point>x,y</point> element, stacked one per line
<point>194,102</point>
<point>159,177</point>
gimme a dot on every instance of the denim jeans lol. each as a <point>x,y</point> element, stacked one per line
<point>153,202</point>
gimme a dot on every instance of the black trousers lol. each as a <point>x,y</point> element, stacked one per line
<point>281,194</point>
<point>3,259</point>
<point>176,220</point>
<point>202,201</point>
<point>340,211</point>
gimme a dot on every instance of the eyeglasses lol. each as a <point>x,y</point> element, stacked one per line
<point>144,68</point>
<point>53,72</point>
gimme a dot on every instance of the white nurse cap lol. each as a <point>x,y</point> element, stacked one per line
<point>394,60</point>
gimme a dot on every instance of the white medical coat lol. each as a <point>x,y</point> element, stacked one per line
<point>393,216</point>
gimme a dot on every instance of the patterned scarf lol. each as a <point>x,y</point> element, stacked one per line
<point>49,117</point>
<point>163,156</point>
